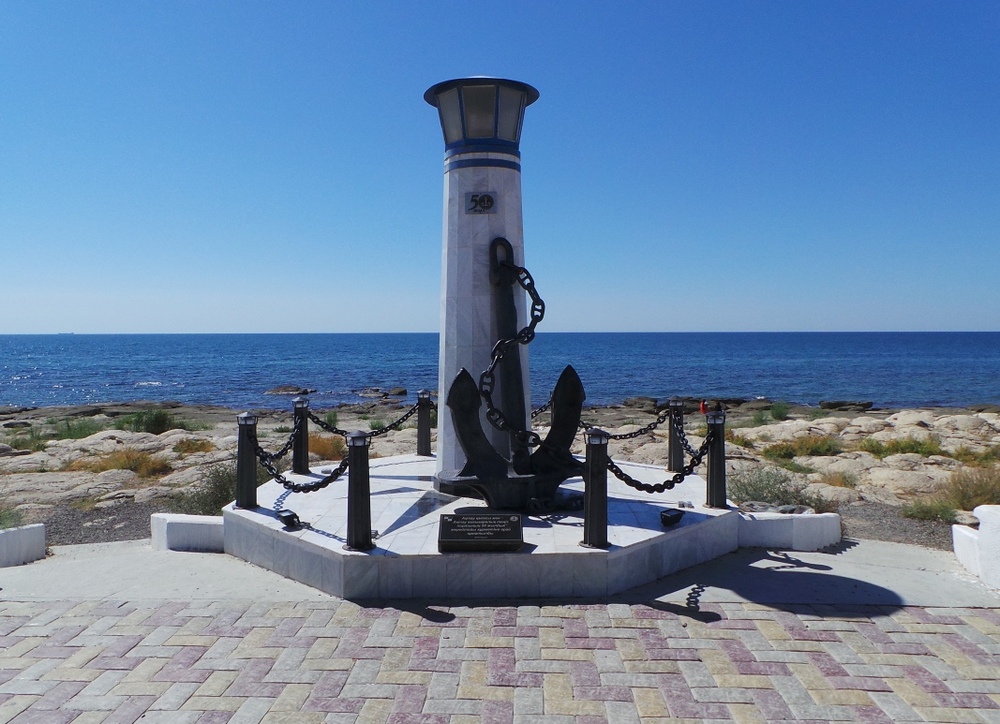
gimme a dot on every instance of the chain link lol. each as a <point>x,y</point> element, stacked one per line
<point>678,425</point>
<point>539,410</point>
<point>297,427</point>
<point>267,461</point>
<point>666,484</point>
<point>487,380</point>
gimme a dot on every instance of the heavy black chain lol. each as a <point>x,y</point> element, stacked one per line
<point>678,425</point>
<point>661,418</point>
<point>328,427</point>
<point>267,461</point>
<point>666,484</point>
<point>288,444</point>
<point>539,410</point>
<point>374,433</point>
<point>488,380</point>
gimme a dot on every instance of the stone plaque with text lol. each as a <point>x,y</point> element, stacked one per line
<point>480,532</point>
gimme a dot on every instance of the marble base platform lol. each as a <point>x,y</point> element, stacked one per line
<point>406,563</point>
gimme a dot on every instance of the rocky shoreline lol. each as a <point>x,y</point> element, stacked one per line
<point>60,483</point>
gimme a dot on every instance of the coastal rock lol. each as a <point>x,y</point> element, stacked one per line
<point>966,517</point>
<point>289,390</point>
<point>646,404</point>
<point>14,424</point>
<point>846,405</point>
<point>833,493</point>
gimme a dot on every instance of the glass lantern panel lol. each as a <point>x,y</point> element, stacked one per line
<point>451,115</point>
<point>511,108</point>
<point>480,110</point>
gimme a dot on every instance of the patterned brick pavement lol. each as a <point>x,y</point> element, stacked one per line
<point>335,661</point>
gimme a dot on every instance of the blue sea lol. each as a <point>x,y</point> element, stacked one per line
<point>894,369</point>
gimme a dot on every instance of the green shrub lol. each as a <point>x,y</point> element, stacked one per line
<point>775,486</point>
<point>31,439</point>
<point>10,518</point>
<point>779,411</point>
<point>377,424</point>
<point>926,447</point>
<point>331,418</point>
<point>78,429</point>
<point>933,509</point>
<point>156,422</point>
<point>813,445</point>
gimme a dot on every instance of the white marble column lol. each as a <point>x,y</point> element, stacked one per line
<point>468,321</point>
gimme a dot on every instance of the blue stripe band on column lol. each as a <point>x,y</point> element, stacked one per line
<point>481,162</point>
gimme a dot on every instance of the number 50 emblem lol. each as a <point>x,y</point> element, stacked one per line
<point>483,202</point>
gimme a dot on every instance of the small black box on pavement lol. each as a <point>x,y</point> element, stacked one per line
<point>480,532</point>
<point>670,517</point>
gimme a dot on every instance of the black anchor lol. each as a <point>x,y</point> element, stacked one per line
<point>528,480</point>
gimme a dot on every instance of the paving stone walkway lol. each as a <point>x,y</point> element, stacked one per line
<point>337,661</point>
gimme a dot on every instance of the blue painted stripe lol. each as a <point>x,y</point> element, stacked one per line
<point>481,162</point>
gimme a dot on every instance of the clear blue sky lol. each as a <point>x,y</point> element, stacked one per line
<point>690,166</point>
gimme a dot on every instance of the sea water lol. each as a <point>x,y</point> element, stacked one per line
<point>890,369</point>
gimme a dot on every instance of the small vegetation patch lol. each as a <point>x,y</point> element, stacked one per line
<point>965,489</point>
<point>215,490</point>
<point>327,447</point>
<point>77,429</point>
<point>331,418</point>
<point>779,411</point>
<point>810,446</point>
<point>10,518</point>
<point>138,461</point>
<point>926,447</point>
<point>839,480</point>
<point>933,509</point>
<point>736,439</point>
<point>376,424</point>
<point>194,445</point>
<point>155,422</point>
<point>966,456</point>
<point>775,486</point>
<point>31,439</point>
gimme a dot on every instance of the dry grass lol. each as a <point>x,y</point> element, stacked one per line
<point>139,462</point>
<point>965,489</point>
<point>327,447</point>
<point>194,445</point>
<point>839,480</point>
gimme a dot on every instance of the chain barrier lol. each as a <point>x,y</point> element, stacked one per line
<point>660,419</point>
<point>374,433</point>
<point>267,461</point>
<point>488,380</point>
<point>666,484</point>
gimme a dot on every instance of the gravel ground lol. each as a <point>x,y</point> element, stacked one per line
<point>68,525</point>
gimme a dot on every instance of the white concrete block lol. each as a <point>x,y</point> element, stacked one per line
<point>989,544</point>
<point>965,543</point>
<point>177,532</point>
<point>789,532</point>
<point>23,544</point>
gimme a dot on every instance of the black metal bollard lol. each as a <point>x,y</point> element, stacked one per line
<point>424,423</point>
<point>716,475</point>
<point>595,494</point>
<point>300,447</point>
<point>359,508</point>
<point>246,462</point>
<point>675,450</point>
